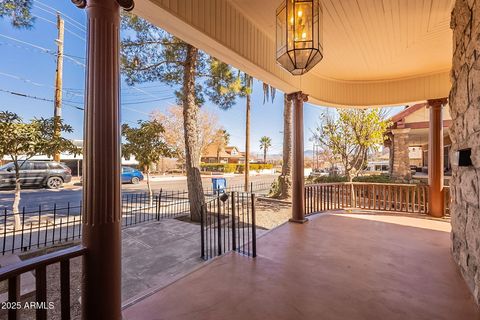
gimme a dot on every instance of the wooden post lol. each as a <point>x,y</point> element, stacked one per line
<point>101,292</point>
<point>436,200</point>
<point>298,183</point>
<point>59,79</point>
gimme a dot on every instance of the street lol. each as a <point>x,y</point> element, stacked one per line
<point>31,199</point>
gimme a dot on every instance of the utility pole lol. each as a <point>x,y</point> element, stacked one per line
<point>58,79</point>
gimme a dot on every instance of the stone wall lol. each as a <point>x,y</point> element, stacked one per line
<point>465,133</point>
<point>399,157</point>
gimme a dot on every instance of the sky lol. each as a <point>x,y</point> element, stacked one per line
<point>27,67</point>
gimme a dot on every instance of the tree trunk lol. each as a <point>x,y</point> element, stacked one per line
<point>285,179</point>
<point>352,189</point>
<point>192,147</point>
<point>16,200</point>
<point>247,144</point>
<point>264,155</point>
<point>149,186</point>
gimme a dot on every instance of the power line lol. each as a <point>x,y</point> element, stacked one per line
<point>54,23</point>
<point>45,50</point>
<point>12,76</point>
<point>24,95</point>
<point>67,17</point>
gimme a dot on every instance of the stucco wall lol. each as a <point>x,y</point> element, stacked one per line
<point>465,133</point>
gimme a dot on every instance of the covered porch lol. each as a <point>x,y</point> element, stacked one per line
<point>336,266</point>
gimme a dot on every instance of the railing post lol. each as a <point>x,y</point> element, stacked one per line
<point>13,296</point>
<point>254,228</point>
<point>234,230</point>
<point>202,230</point>
<point>219,227</point>
<point>159,203</point>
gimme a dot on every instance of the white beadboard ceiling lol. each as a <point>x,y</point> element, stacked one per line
<point>373,39</point>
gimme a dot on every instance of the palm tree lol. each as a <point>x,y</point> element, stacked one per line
<point>285,179</point>
<point>246,91</point>
<point>265,144</point>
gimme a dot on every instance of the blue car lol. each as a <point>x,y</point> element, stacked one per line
<point>131,175</point>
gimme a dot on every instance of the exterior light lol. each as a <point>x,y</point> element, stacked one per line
<point>299,37</point>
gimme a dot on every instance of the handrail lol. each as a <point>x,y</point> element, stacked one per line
<point>393,197</point>
<point>13,272</point>
<point>43,260</point>
<point>366,183</point>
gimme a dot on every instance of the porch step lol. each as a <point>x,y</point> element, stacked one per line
<point>27,280</point>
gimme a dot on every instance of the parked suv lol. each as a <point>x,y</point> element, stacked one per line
<point>48,174</point>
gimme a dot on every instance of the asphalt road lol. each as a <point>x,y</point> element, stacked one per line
<point>31,199</point>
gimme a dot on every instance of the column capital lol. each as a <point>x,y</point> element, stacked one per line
<point>299,95</point>
<point>127,5</point>
<point>437,103</point>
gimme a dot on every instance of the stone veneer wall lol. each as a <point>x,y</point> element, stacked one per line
<point>399,155</point>
<point>465,133</point>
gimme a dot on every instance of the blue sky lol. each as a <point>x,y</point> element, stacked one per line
<point>28,67</point>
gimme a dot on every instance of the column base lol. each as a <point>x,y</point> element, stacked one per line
<point>298,221</point>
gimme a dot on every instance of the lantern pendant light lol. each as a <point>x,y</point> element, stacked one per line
<point>299,35</point>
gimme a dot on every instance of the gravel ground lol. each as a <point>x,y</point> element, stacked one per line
<point>271,213</point>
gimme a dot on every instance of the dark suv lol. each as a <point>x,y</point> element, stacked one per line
<point>48,174</point>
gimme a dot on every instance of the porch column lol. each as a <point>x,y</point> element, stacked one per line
<point>435,158</point>
<point>101,285</point>
<point>400,161</point>
<point>298,183</point>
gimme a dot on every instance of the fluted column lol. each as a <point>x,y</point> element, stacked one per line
<point>436,201</point>
<point>298,174</point>
<point>101,292</point>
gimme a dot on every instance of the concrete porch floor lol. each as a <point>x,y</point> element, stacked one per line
<point>336,266</point>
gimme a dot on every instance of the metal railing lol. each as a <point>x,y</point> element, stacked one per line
<point>47,226</point>
<point>259,188</point>
<point>228,224</point>
<point>12,274</point>
<point>409,198</point>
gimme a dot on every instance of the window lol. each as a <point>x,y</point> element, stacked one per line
<point>26,166</point>
<point>40,166</point>
<point>54,165</point>
<point>6,166</point>
<point>126,169</point>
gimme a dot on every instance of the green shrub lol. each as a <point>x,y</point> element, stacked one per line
<point>233,167</point>
<point>382,178</point>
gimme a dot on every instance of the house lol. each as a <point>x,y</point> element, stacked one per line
<point>214,154</point>
<point>408,139</point>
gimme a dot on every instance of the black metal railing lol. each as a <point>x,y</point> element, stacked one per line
<point>228,224</point>
<point>259,188</point>
<point>47,226</point>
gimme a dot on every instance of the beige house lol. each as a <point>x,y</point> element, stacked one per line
<point>214,154</point>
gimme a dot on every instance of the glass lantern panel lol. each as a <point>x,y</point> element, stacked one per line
<point>316,29</point>
<point>302,57</point>
<point>290,21</point>
<point>286,62</point>
<point>303,21</point>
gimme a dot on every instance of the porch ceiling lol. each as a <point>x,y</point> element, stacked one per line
<point>386,52</point>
